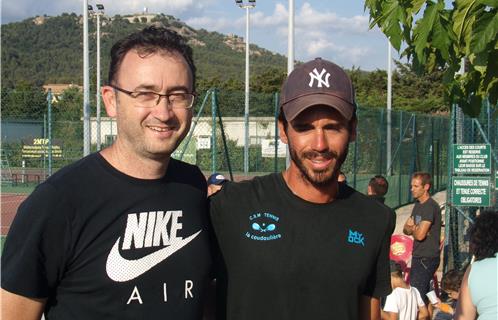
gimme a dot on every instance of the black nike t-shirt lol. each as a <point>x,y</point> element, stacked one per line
<point>286,258</point>
<point>99,244</point>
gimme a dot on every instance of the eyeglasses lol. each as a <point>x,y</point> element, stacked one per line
<point>150,99</point>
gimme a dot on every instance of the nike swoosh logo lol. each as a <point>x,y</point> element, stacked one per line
<point>120,269</point>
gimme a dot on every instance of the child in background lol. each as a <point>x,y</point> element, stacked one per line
<point>451,285</point>
<point>404,303</point>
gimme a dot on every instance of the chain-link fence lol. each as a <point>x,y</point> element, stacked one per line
<point>475,179</point>
<point>34,148</point>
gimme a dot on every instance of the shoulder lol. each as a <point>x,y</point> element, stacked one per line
<point>415,291</point>
<point>258,187</point>
<point>433,204</point>
<point>76,171</point>
<point>363,202</point>
<point>257,184</point>
<point>186,173</point>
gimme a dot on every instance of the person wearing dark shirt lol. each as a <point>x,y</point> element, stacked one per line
<point>377,189</point>
<point>122,233</point>
<point>424,225</point>
<point>299,244</point>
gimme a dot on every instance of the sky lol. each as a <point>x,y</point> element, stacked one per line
<point>336,30</point>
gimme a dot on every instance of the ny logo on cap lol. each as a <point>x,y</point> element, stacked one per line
<point>319,78</point>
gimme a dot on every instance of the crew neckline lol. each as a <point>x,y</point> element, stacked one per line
<point>343,190</point>
<point>125,177</point>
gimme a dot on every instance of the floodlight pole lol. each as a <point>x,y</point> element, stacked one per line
<point>246,6</point>
<point>86,81</point>
<point>290,59</point>
<point>290,43</point>
<point>389,105</point>
<point>98,13</point>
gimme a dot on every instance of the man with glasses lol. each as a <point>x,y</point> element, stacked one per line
<point>122,233</point>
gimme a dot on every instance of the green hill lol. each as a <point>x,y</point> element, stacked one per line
<point>49,50</point>
<point>45,50</point>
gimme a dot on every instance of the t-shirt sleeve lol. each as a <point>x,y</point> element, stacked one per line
<point>420,302</point>
<point>36,247</point>
<point>391,305</point>
<point>379,281</point>
<point>428,213</point>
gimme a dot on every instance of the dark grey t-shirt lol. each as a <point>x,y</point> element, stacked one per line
<point>428,211</point>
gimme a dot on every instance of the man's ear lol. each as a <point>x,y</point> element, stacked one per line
<point>109,98</point>
<point>427,187</point>
<point>281,132</point>
<point>352,129</point>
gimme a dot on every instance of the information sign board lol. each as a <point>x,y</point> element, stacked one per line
<point>472,158</point>
<point>471,191</point>
<point>38,147</point>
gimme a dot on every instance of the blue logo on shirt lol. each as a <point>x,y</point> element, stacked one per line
<point>263,227</point>
<point>356,237</point>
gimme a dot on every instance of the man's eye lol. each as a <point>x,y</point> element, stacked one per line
<point>145,96</point>
<point>301,127</point>
<point>177,97</point>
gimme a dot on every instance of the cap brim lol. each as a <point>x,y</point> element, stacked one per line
<point>294,107</point>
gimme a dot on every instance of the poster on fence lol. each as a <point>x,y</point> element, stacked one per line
<point>471,191</point>
<point>472,158</point>
<point>37,148</point>
<point>268,148</point>
<point>203,142</point>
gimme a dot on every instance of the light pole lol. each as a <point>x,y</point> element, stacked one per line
<point>290,44</point>
<point>98,13</point>
<point>389,104</point>
<point>86,81</point>
<point>251,4</point>
<point>290,59</point>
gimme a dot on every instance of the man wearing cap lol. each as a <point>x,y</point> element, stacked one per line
<point>297,244</point>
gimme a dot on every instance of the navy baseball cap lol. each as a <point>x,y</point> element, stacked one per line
<point>216,178</point>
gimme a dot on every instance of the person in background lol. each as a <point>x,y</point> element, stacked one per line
<point>424,225</point>
<point>377,189</point>
<point>450,283</point>
<point>478,298</point>
<point>404,302</point>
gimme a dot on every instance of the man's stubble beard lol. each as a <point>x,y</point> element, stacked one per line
<point>323,177</point>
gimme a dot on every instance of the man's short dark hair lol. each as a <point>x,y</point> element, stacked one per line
<point>378,185</point>
<point>424,177</point>
<point>150,40</point>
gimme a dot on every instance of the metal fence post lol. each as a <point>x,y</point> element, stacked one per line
<point>275,162</point>
<point>355,158</point>
<point>448,209</point>
<point>49,100</point>
<point>400,170</point>
<point>45,136</point>
<point>213,134</point>
<point>431,150</point>
<point>381,153</point>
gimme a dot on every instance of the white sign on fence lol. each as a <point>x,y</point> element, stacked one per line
<point>268,148</point>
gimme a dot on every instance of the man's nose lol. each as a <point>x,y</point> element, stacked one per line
<point>319,142</point>
<point>163,110</point>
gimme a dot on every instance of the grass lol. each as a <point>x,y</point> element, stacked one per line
<point>23,189</point>
<point>2,240</point>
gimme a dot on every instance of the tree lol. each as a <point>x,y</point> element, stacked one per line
<point>441,37</point>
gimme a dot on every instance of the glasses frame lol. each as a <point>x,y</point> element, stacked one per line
<point>134,95</point>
